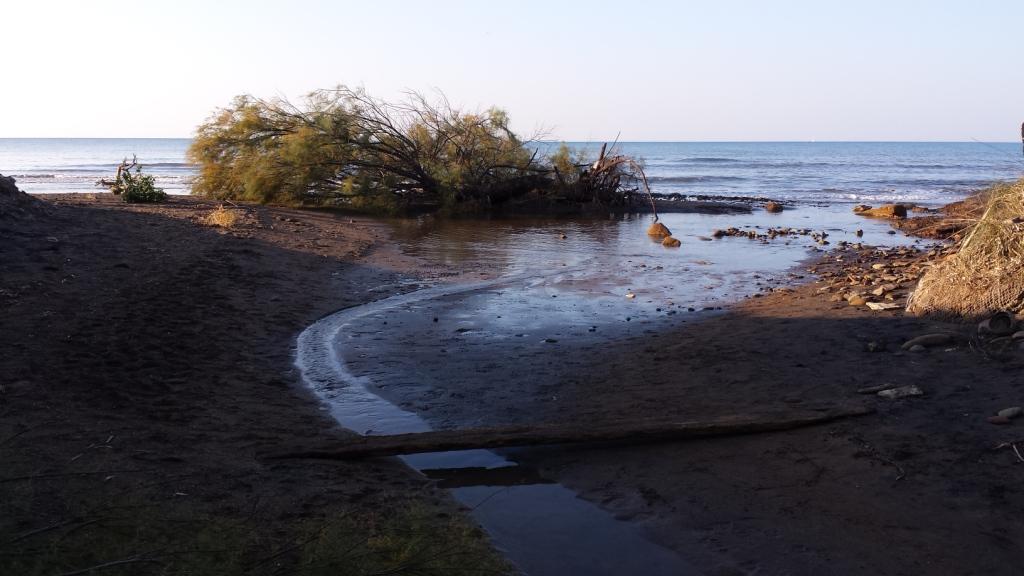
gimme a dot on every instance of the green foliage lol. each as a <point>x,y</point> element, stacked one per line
<point>343,146</point>
<point>566,163</point>
<point>270,152</point>
<point>138,187</point>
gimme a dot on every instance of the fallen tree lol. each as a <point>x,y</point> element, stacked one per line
<point>633,432</point>
<point>343,146</point>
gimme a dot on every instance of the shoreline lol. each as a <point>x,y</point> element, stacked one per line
<point>228,390</point>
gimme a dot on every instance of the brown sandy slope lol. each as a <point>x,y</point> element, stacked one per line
<point>146,359</point>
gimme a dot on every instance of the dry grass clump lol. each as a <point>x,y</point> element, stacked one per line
<point>987,272</point>
<point>221,217</point>
<point>998,236</point>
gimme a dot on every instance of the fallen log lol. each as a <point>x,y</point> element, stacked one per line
<point>629,431</point>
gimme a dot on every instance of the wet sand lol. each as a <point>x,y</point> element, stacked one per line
<point>151,355</point>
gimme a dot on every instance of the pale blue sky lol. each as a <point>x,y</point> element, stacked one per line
<point>713,70</point>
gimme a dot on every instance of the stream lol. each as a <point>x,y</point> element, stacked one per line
<point>383,367</point>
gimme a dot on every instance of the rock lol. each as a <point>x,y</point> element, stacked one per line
<point>861,208</point>
<point>670,242</point>
<point>875,346</point>
<point>998,420</point>
<point>928,340</point>
<point>658,230</point>
<point>859,233</point>
<point>856,300</point>
<point>630,295</point>
<point>773,207</point>
<point>1010,413</point>
<point>562,236</point>
<point>718,233</point>
<point>901,392</point>
<point>999,324</point>
<point>1018,335</point>
<point>885,211</point>
<point>917,349</point>
<point>878,306</point>
<point>703,238</point>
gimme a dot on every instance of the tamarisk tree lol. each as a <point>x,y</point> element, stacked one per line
<point>343,145</point>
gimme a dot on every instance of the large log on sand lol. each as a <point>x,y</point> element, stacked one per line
<point>629,431</point>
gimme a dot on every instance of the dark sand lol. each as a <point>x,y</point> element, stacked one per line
<point>147,348</point>
<point>147,360</point>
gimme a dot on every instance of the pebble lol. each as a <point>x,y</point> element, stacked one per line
<point>875,389</point>
<point>998,420</point>
<point>856,301</point>
<point>938,339</point>
<point>1011,412</point>
<point>917,348</point>
<point>901,392</point>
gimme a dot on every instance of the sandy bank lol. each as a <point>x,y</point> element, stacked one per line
<point>147,360</point>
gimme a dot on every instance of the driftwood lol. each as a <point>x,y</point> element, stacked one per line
<point>123,169</point>
<point>631,432</point>
<point>606,172</point>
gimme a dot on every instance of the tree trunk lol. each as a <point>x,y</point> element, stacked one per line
<point>629,432</point>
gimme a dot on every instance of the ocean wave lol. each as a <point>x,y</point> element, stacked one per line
<point>692,179</point>
<point>934,182</point>
<point>705,160</point>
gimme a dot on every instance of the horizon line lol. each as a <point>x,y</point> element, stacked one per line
<point>572,141</point>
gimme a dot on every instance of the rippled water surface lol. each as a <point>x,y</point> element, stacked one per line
<point>800,171</point>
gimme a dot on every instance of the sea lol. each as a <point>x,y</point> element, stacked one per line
<point>802,172</point>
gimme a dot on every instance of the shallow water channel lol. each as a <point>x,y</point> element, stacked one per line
<point>553,284</point>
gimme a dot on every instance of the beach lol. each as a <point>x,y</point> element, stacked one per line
<point>148,361</point>
<point>150,364</point>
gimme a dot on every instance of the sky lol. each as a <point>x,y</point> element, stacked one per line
<point>643,70</point>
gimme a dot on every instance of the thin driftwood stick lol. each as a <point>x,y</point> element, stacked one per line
<point>633,432</point>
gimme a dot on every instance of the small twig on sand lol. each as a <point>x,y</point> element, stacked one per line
<point>873,453</point>
<point>67,475</point>
<point>1012,445</point>
<point>25,431</point>
<point>132,560</point>
<point>900,473</point>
